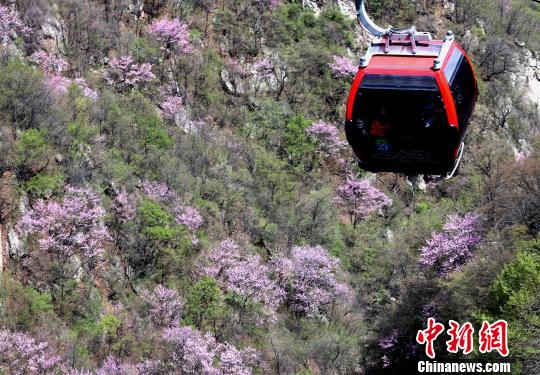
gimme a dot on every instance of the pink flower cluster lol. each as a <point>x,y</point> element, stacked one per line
<point>87,91</point>
<point>189,216</point>
<point>327,136</point>
<point>21,354</point>
<point>172,33</point>
<point>159,191</point>
<point>236,67</point>
<point>309,277</point>
<point>123,205</point>
<point>123,72</point>
<point>50,63</point>
<point>165,305</point>
<point>521,156</point>
<point>10,24</point>
<point>264,68</point>
<point>54,67</point>
<point>449,249</point>
<point>360,198</point>
<point>112,366</point>
<point>191,352</point>
<point>58,84</point>
<point>72,226</point>
<point>343,67</point>
<point>389,341</point>
<point>243,274</point>
<point>184,215</point>
<point>306,280</point>
<point>171,106</point>
<point>195,353</point>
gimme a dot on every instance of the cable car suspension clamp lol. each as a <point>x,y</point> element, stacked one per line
<point>390,34</point>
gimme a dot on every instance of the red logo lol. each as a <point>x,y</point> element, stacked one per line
<point>494,337</point>
<point>460,338</point>
<point>490,337</point>
<point>429,335</point>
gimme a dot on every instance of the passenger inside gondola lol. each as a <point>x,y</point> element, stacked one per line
<point>410,130</point>
<point>380,131</point>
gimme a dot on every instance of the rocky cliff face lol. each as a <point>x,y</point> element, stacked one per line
<point>3,247</point>
<point>346,7</point>
<point>11,245</point>
<point>529,76</point>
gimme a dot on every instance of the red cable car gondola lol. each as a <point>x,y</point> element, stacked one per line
<point>410,103</point>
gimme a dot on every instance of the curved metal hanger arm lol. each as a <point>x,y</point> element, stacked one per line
<point>367,23</point>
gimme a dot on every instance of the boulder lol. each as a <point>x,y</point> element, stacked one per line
<point>232,85</point>
<point>313,5</point>
<point>347,8</point>
<point>16,245</point>
<point>529,76</point>
<point>53,38</point>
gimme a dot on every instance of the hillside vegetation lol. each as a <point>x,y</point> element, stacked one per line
<point>177,195</point>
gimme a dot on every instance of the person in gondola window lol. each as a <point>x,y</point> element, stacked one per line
<point>380,131</point>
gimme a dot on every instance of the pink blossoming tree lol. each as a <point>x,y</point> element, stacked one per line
<point>189,216</point>
<point>87,91</point>
<point>123,205</point>
<point>112,366</point>
<point>21,354</point>
<point>54,67</point>
<point>159,191</point>
<point>10,24</point>
<point>50,63</point>
<point>343,67</point>
<point>521,156</point>
<point>233,361</point>
<point>70,233</point>
<point>360,198</point>
<point>245,275</point>
<point>171,107</point>
<point>165,305</point>
<point>124,73</point>
<point>58,84</point>
<point>172,34</point>
<point>327,136</point>
<point>195,353</point>
<point>449,249</point>
<point>388,343</point>
<point>309,277</point>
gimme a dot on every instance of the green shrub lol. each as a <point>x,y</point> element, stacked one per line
<point>31,153</point>
<point>44,186</point>
<point>204,304</point>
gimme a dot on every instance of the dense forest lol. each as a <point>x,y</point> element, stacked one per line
<point>177,195</point>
